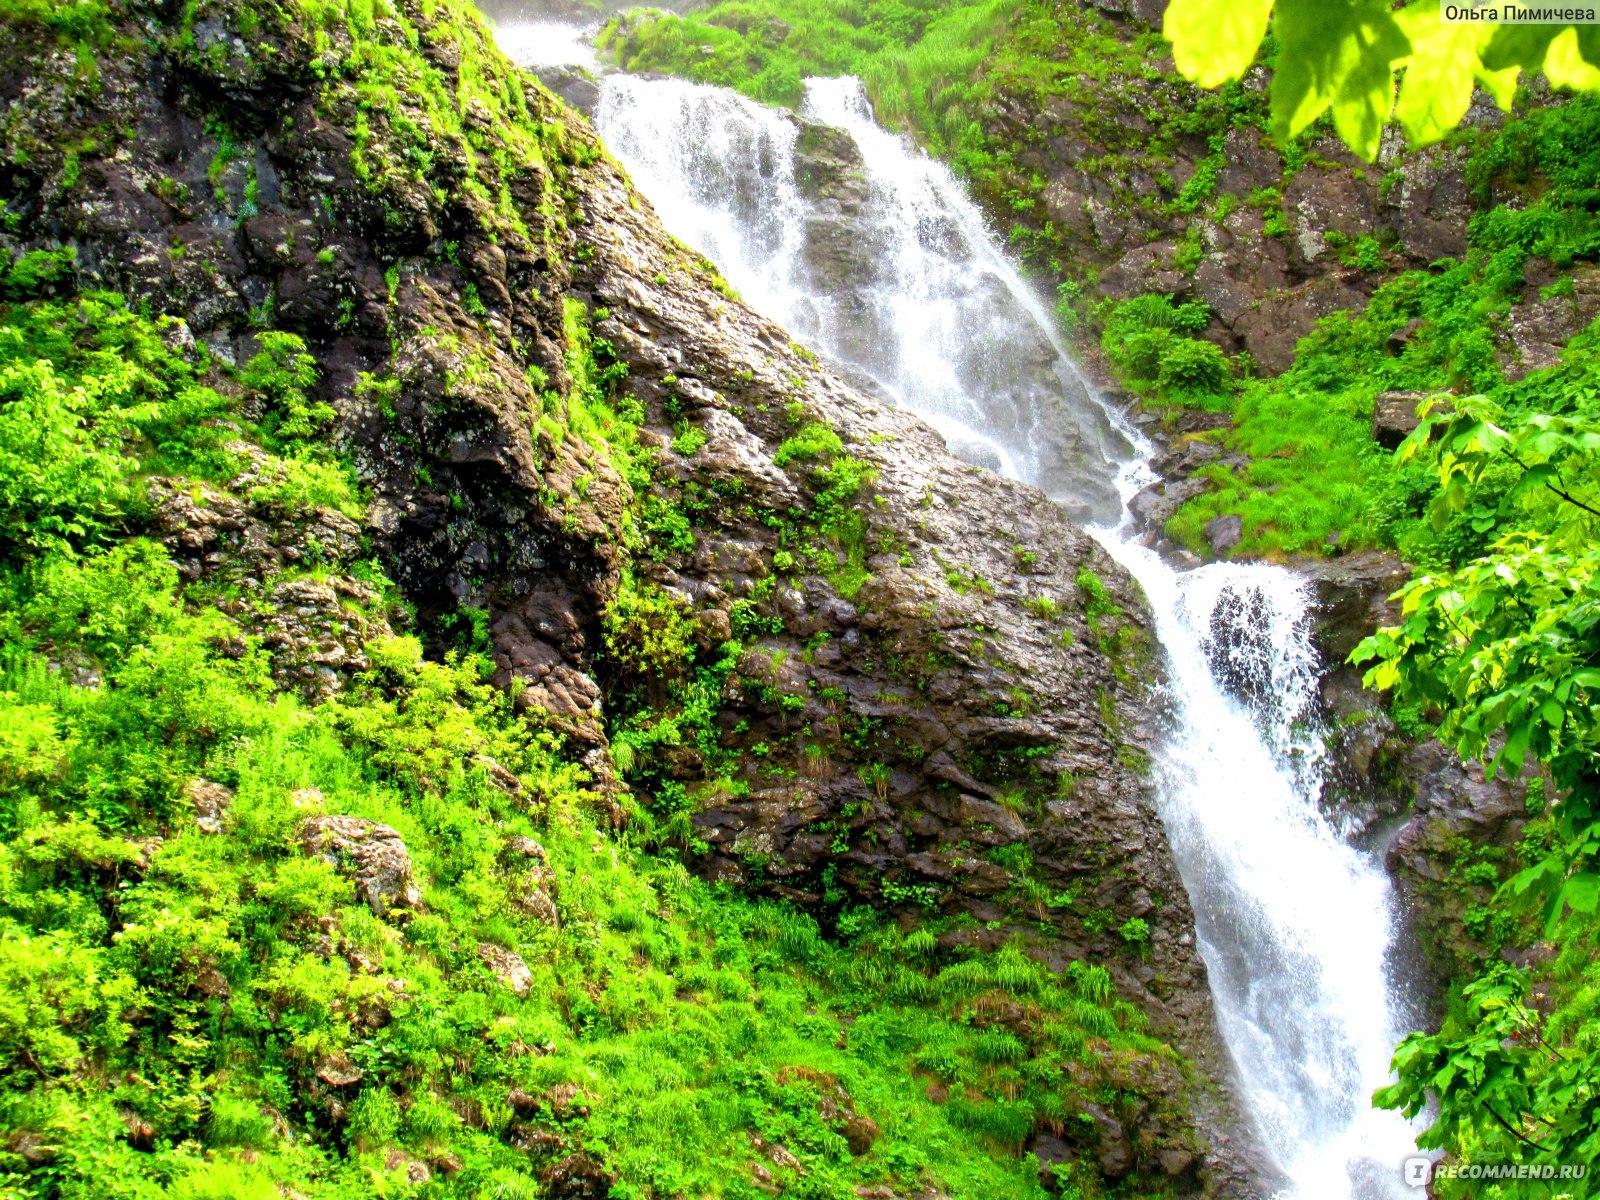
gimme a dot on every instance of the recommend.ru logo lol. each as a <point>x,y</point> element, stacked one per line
<point>1419,1172</point>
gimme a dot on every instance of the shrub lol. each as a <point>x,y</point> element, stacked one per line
<point>813,441</point>
<point>280,375</point>
<point>648,632</point>
<point>1194,366</point>
<point>1147,338</point>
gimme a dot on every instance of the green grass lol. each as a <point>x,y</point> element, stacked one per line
<point>919,60</point>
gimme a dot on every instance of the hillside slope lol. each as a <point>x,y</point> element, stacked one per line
<point>435,559</point>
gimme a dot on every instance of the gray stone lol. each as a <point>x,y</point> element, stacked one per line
<point>373,855</point>
<point>508,967</point>
<point>211,801</point>
<point>1394,417</point>
<point>1224,533</point>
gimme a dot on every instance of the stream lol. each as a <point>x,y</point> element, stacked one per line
<point>859,244</point>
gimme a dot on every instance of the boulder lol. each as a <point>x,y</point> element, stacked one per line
<point>1157,504</point>
<point>508,967</point>
<point>1394,417</point>
<point>1224,533</point>
<point>211,802</point>
<point>575,85</point>
<point>373,855</point>
<point>337,1070</point>
<point>1352,598</point>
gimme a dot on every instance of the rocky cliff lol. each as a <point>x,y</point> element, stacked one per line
<point>1128,179</point>
<point>777,622</point>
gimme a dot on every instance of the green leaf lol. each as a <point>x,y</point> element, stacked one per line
<point>1440,76</point>
<point>1214,41</point>
<point>1554,714</point>
<point>1515,751</point>
<point>1572,58</point>
<point>1339,54</point>
<point>1582,892</point>
<point>1518,47</point>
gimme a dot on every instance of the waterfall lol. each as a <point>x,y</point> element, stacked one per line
<point>877,258</point>
<point>1295,925</point>
<point>532,39</point>
<point>872,252</point>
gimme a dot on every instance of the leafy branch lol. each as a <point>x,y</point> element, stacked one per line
<point>1343,56</point>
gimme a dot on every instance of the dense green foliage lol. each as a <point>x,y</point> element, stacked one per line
<point>1153,347</point>
<point>1506,649</point>
<point>1343,57</point>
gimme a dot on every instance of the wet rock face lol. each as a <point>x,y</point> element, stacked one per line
<point>1458,845</point>
<point>914,742</point>
<point>1353,598</point>
<point>964,668</point>
<point>1542,324</point>
<point>1269,266</point>
<point>1364,787</point>
<point>1455,832</point>
<point>578,87</point>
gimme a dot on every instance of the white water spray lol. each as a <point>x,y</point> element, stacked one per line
<point>1295,925</point>
<point>535,44</point>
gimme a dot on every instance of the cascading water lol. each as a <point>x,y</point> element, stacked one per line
<point>852,239</point>
<point>1295,925</point>
<point>877,258</point>
<point>547,44</point>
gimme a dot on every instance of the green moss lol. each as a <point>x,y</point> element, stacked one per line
<point>84,21</point>
<point>646,632</point>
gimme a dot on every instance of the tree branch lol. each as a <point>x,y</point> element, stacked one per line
<point>1516,1133</point>
<point>1560,491</point>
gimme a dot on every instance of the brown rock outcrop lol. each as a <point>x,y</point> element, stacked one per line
<point>373,855</point>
